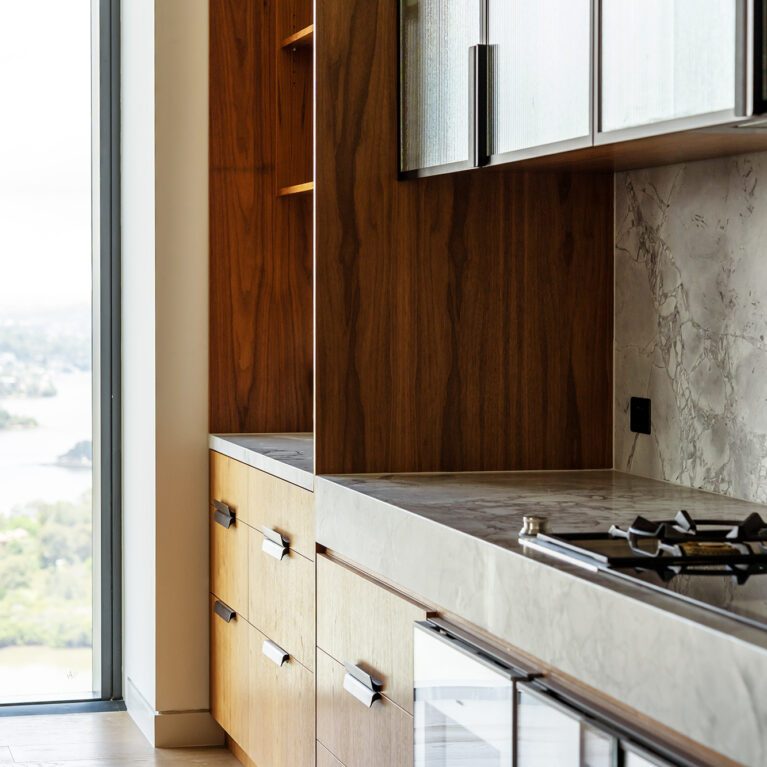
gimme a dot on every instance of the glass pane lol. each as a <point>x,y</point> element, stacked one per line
<point>542,54</point>
<point>46,522</point>
<point>546,735</point>
<point>599,748</point>
<point>634,757</point>
<point>435,37</point>
<point>663,59</point>
<point>463,708</point>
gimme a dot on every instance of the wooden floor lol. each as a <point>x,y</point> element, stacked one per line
<point>92,740</point>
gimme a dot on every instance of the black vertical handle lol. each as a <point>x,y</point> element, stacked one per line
<point>479,104</point>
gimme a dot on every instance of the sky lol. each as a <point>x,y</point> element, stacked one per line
<point>45,153</point>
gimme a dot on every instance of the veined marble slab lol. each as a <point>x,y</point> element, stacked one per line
<point>287,456</point>
<point>452,540</point>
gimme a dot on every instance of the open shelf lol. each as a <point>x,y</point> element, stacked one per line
<point>296,189</point>
<point>304,38</point>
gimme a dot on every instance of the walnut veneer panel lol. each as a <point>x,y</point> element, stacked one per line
<point>260,248</point>
<point>463,322</point>
<point>362,622</point>
<point>379,736</point>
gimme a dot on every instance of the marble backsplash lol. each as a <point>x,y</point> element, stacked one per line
<point>691,323</point>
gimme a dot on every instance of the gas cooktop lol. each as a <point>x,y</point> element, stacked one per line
<point>720,564</point>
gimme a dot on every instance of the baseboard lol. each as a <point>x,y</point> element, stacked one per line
<point>172,729</point>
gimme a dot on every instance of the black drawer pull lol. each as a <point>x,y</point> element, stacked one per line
<point>223,611</point>
<point>224,515</point>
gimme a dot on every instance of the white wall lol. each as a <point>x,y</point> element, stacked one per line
<point>165,368</point>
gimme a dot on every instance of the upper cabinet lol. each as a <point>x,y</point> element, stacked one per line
<point>541,59</point>
<point>436,37</point>
<point>664,60</point>
<point>499,81</point>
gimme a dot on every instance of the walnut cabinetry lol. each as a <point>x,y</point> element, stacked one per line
<point>262,615</point>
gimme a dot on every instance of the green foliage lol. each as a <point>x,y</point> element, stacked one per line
<point>8,421</point>
<point>45,575</point>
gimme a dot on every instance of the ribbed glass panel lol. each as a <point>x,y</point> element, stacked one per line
<point>435,38</point>
<point>663,59</point>
<point>542,55</point>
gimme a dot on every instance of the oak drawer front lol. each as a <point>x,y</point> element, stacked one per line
<point>378,736</point>
<point>282,707</point>
<point>362,622</point>
<point>325,758</point>
<point>229,562</point>
<point>229,693</point>
<point>285,508</point>
<point>282,597</point>
<point>229,485</point>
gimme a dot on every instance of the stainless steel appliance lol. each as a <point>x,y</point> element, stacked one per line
<point>476,708</point>
<point>719,564</point>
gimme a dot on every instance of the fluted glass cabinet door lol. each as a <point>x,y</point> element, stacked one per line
<point>541,53</point>
<point>435,38</point>
<point>666,59</point>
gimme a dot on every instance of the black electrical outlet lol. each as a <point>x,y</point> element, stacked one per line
<point>640,415</point>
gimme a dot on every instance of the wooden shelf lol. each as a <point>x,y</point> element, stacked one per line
<point>296,189</point>
<point>304,38</point>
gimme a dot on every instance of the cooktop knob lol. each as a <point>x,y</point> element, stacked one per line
<point>531,526</point>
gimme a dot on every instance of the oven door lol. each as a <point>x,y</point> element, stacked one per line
<point>464,702</point>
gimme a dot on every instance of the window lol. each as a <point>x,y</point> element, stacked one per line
<point>59,360</point>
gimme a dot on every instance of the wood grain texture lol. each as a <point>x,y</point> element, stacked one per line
<point>380,736</point>
<point>229,564</point>
<point>654,150</point>
<point>362,622</point>
<point>294,149</point>
<point>229,692</point>
<point>283,507</point>
<point>230,483</point>
<point>463,322</point>
<point>325,758</point>
<point>304,37</point>
<point>260,252</point>
<point>281,717</point>
<point>282,599</point>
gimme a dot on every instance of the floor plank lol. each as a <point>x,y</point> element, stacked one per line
<point>93,740</point>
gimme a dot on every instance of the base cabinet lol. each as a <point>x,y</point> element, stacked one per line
<point>378,736</point>
<point>325,758</point>
<point>229,683</point>
<point>281,711</point>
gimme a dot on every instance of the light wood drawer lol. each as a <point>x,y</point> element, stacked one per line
<point>325,758</point>
<point>229,484</point>
<point>229,679</point>
<point>379,736</point>
<point>284,508</point>
<point>229,563</point>
<point>282,599</point>
<point>362,622</point>
<point>281,711</point>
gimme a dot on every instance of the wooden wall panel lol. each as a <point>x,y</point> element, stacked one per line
<point>463,322</point>
<point>260,281</point>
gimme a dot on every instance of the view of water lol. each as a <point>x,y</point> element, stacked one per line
<point>28,456</point>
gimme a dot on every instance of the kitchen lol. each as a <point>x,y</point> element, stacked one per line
<point>458,334</point>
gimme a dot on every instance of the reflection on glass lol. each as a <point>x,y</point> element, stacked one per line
<point>635,758</point>
<point>435,37</point>
<point>46,617</point>
<point>463,708</point>
<point>542,62</point>
<point>663,59</point>
<point>546,735</point>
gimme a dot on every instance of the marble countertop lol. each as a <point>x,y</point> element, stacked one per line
<point>452,540</point>
<point>287,456</point>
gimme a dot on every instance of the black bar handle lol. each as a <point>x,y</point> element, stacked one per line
<point>223,611</point>
<point>223,514</point>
